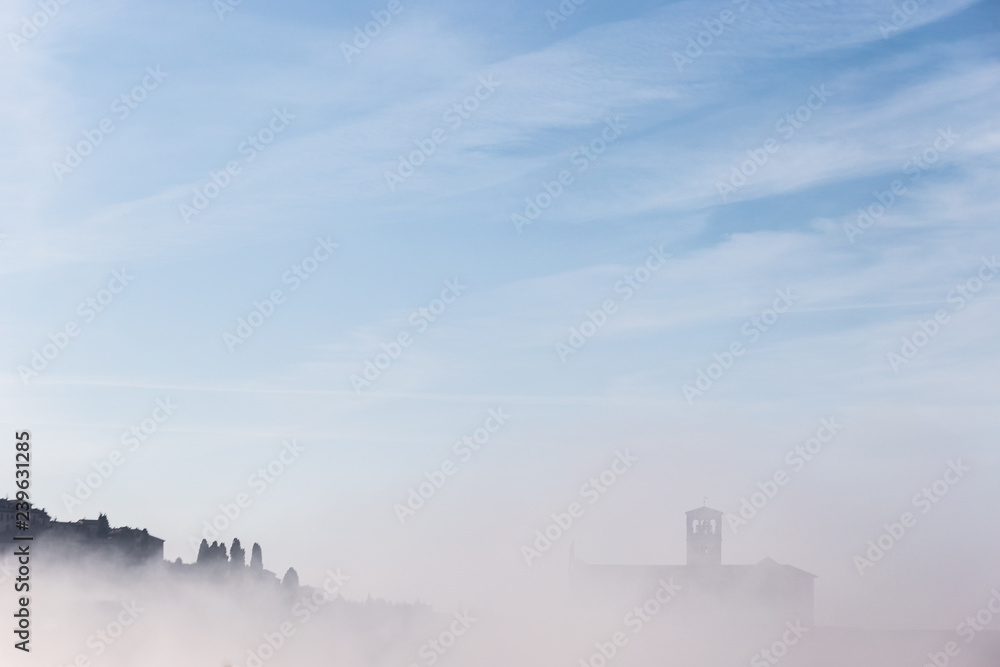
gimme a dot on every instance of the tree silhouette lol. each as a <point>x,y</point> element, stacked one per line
<point>204,552</point>
<point>237,554</point>
<point>217,552</point>
<point>291,579</point>
<point>256,558</point>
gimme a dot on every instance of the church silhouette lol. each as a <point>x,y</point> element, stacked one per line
<point>710,590</point>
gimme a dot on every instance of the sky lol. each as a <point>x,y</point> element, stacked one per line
<point>695,232</point>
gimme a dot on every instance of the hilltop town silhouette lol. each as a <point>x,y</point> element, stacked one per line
<point>96,538</point>
<point>764,600</point>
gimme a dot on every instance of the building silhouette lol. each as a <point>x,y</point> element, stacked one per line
<point>710,590</point>
<point>83,537</point>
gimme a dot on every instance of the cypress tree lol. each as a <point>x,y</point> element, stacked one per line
<point>237,554</point>
<point>256,558</point>
<point>203,552</point>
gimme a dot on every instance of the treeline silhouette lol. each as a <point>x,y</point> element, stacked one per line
<point>213,557</point>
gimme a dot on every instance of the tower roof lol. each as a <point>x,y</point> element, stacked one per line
<point>704,511</point>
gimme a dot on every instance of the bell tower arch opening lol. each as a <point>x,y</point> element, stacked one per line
<point>704,537</point>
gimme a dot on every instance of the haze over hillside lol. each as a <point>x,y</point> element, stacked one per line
<point>639,332</point>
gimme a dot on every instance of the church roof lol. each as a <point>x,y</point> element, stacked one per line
<point>771,563</point>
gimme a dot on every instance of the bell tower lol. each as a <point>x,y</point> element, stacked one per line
<point>704,537</point>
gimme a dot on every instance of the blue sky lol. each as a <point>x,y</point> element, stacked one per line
<point>888,95</point>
